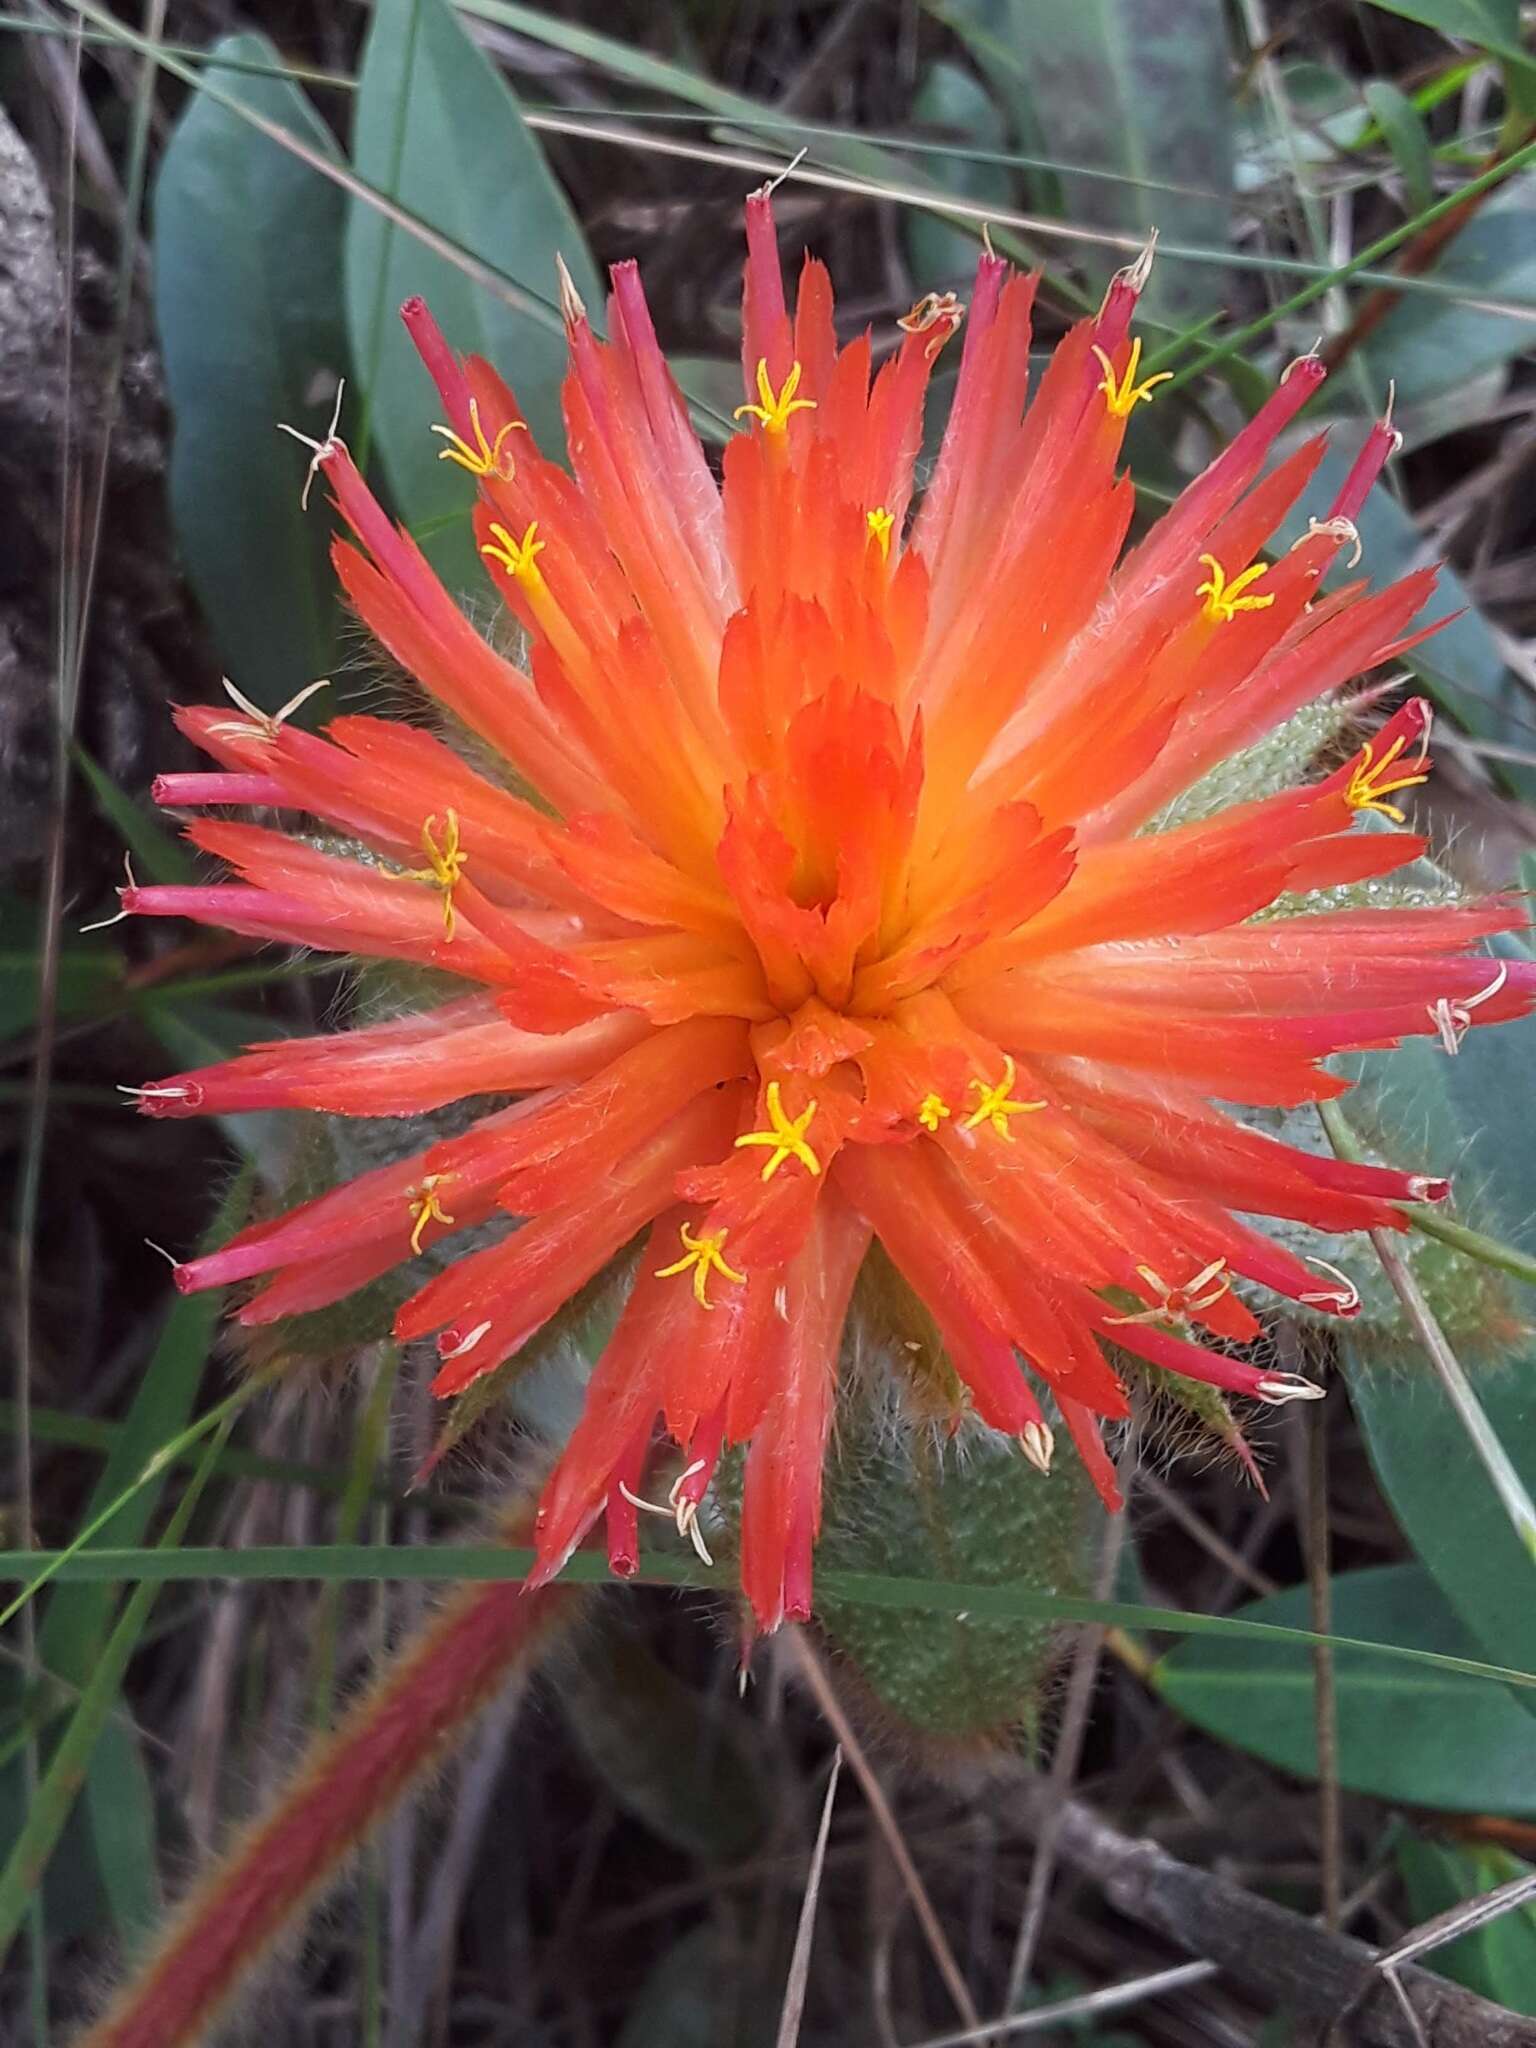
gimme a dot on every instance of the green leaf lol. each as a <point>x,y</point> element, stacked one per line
<point>1140,87</point>
<point>1490,24</point>
<point>1423,1111</point>
<point>90,969</point>
<point>438,130</point>
<point>671,1761</point>
<point>162,856</point>
<point>950,102</point>
<point>1440,1494</point>
<point>247,258</point>
<point>481,1563</point>
<point>1408,139</point>
<point>1497,1961</point>
<point>707,1989</point>
<point>1429,346</point>
<point>1393,1720</point>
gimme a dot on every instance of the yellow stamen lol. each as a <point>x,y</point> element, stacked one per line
<point>484,458</point>
<point>880,523</point>
<point>1124,397</point>
<point>933,1112</point>
<point>785,1135</point>
<point>1367,792</point>
<point>703,1254</point>
<point>775,408</point>
<point>993,1105</point>
<point>445,864</point>
<point>426,1208</point>
<point>517,557</point>
<point>1224,600</point>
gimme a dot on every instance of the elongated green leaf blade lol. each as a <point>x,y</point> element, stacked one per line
<point>1135,86</point>
<point>247,253</point>
<point>438,130</point>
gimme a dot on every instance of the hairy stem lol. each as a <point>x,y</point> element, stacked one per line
<point>351,1779</point>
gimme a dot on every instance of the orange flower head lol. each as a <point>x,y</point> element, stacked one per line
<point>843,912</point>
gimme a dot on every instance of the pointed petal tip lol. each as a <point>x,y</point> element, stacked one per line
<point>573,308</point>
<point>1038,1444</point>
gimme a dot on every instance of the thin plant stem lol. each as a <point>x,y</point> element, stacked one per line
<point>1069,1743</point>
<point>800,1962</point>
<point>1330,1826</point>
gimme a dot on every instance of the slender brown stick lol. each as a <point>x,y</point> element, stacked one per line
<point>813,1671</point>
<point>1280,1957</point>
<point>393,1737</point>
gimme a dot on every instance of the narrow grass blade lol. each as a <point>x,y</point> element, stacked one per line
<point>24,1867</point>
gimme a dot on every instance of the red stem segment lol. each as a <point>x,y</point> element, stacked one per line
<point>351,1780</point>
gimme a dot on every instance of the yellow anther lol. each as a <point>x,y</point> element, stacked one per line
<point>445,864</point>
<point>426,1208</point>
<point>880,523</point>
<point>993,1105</point>
<point>785,1135</point>
<point>517,557</point>
<point>1224,600</point>
<point>484,458</point>
<point>1367,791</point>
<point>776,407</point>
<point>933,1112</point>
<point>703,1254</point>
<point>1125,395</point>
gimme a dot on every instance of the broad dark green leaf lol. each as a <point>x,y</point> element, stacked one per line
<point>438,130</point>
<point>1490,24</point>
<point>247,257</point>
<point>667,1759</point>
<point>1443,1501</point>
<point>1393,1720</point>
<point>1497,1961</point>
<point>1141,88</point>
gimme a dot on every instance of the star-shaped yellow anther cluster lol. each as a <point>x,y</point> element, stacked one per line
<point>994,1106</point>
<point>517,557</point>
<point>482,457</point>
<point>880,523</point>
<point>445,864</point>
<point>785,1135</point>
<point>1125,394</point>
<point>704,1256</point>
<point>426,1207</point>
<point>932,1111</point>
<point>774,411</point>
<point>1224,600</point>
<point>1367,791</point>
